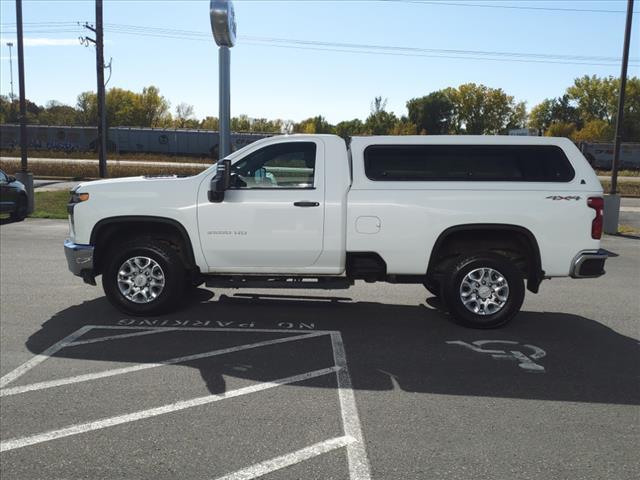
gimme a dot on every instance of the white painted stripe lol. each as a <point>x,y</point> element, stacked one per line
<point>153,412</point>
<point>284,461</point>
<point>630,209</point>
<point>359,468</point>
<point>212,329</point>
<point>115,337</point>
<point>25,367</point>
<point>145,366</point>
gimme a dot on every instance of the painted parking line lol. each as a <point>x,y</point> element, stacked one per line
<point>115,337</point>
<point>154,412</point>
<point>352,439</point>
<point>144,366</point>
<point>284,461</point>
<point>38,359</point>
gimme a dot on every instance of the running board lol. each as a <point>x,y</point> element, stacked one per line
<point>237,281</point>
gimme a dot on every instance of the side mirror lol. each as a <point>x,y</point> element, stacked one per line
<point>220,183</point>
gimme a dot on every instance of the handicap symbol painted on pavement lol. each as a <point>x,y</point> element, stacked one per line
<point>524,354</point>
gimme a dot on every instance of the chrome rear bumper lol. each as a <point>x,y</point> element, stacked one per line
<point>589,264</point>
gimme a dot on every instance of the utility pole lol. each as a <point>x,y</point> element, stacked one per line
<point>9,44</point>
<point>24,175</point>
<point>102,113</point>
<point>612,202</point>
<point>98,42</point>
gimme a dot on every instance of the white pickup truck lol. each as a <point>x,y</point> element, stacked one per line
<point>472,218</point>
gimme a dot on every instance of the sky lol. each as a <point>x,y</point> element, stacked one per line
<point>296,59</point>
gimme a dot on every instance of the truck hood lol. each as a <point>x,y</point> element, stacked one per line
<point>140,181</point>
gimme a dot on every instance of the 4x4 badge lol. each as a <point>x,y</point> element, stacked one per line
<point>560,197</point>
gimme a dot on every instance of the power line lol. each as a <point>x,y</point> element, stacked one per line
<point>432,56</point>
<point>372,49</point>
<point>511,7</point>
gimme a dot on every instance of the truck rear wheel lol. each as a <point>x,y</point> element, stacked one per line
<point>483,290</point>
<point>144,277</point>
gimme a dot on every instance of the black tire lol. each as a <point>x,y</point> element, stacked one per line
<point>452,285</point>
<point>173,274</point>
<point>22,208</point>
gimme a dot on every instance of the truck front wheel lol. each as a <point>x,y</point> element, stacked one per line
<point>483,290</point>
<point>144,277</point>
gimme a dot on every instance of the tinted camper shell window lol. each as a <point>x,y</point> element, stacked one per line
<point>487,163</point>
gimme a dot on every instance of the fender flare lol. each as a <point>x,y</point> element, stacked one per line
<point>536,274</point>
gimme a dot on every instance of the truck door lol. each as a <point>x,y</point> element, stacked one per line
<point>272,217</point>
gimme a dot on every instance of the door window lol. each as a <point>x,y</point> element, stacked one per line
<point>284,165</point>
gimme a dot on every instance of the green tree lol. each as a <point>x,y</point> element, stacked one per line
<point>404,126</point>
<point>349,128</point>
<point>56,113</point>
<point>432,114</point>
<point>241,123</point>
<point>595,97</point>
<point>379,121</point>
<point>87,108</point>
<point>153,108</point>
<point>480,110</point>
<point>517,116</point>
<point>123,108</point>
<point>209,123</point>
<point>541,116</point>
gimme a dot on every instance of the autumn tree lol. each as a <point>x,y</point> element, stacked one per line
<point>316,124</point>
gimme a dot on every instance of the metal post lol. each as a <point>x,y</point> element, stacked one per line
<point>23,97</point>
<point>623,84</point>
<point>612,201</point>
<point>9,44</point>
<point>102,114</point>
<point>224,57</point>
<point>23,175</point>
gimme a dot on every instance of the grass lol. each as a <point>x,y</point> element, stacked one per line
<point>89,171</point>
<point>625,189</point>
<point>627,230</point>
<point>143,157</point>
<point>50,204</point>
<point>621,173</point>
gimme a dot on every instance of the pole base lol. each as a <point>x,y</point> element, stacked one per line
<point>26,178</point>
<point>611,213</point>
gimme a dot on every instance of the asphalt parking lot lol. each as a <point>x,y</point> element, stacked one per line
<point>371,382</point>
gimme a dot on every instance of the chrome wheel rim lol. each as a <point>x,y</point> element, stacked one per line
<point>140,279</point>
<point>484,291</point>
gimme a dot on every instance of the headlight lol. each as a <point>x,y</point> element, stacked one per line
<point>78,197</point>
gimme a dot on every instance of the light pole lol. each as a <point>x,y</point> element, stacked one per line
<point>612,201</point>
<point>223,25</point>
<point>9,44</point>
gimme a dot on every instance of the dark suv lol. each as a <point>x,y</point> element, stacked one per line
<point>13,197</point>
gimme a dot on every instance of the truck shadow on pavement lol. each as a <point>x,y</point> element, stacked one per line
<point>546,356</point>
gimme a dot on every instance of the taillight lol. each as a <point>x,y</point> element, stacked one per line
<point>597,203</point>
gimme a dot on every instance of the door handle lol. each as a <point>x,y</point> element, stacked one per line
<point>306,204</point>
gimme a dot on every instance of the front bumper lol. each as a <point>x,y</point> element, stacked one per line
<point>79,258</point>
<point>589,264</point>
